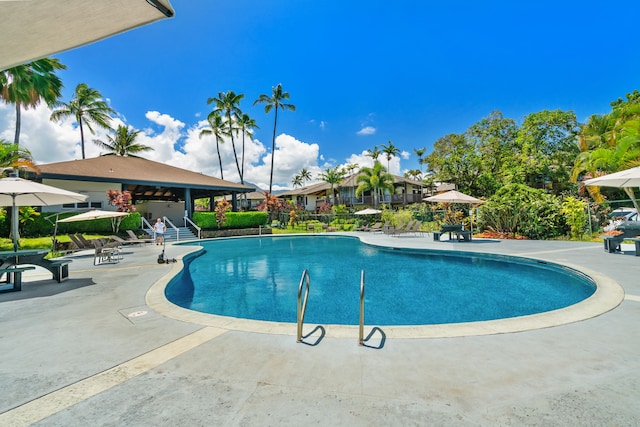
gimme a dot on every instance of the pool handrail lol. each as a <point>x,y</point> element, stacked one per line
<point>302,306</point>
<point>361,328</point>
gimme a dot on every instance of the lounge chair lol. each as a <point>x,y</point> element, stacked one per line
<point>412,228</point>
<point>120,241</point>
<point>81,243</point>
<point>135,239</point>
<point>375,227</point>
<point>397,230</point>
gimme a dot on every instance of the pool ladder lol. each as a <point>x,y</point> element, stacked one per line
<point>302,305</point>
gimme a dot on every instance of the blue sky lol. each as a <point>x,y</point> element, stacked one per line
<point>360,73</point>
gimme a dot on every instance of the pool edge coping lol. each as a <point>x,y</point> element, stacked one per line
<point>607,296</point>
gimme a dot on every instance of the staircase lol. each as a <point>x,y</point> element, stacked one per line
<point>172,234</point>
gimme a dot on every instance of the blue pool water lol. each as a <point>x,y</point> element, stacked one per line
<point>258,278</point>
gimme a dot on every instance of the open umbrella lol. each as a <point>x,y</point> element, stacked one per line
<point>626,179</point>
<point>48,22</point>
<point>453,196</point>
<point>94,214</point>
<point>368,211</point>
<point>16,192</point>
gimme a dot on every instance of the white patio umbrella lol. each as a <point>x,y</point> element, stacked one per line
<point>34,29</point>
<point>94,214</point>
<point>16,192</point>
<point>368,211</point>
<point>626,179</point>
<point>453,196</point>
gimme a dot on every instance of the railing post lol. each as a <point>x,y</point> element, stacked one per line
<point>302,305</point>
<point>361,328</point>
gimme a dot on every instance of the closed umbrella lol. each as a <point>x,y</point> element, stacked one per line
<point>16,192</point>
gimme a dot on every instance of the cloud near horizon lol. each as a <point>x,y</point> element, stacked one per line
<point>173,143</point>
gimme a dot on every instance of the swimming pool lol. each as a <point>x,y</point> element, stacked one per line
<point>257,278</point>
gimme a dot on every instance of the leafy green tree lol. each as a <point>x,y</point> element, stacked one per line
<point>455,159</point>
<point>390,151</point>
<point>27,85</point>
<point>546,144</point>
<point>332,176</point>
<point>375,179</point>
<point>88,108</point>
<point>575,212</point>
<point>216,128</point>
<point>123,143</point>
<point>274,102</point>
<point>228,103</point>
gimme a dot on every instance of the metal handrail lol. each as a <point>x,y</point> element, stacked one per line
<point>302,306</point>
<point>148,224</point>
<point>193,224</point>
<point>168,221</point>
<point>361,329</point>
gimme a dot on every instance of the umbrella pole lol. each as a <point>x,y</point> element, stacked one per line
<point>14,224</point>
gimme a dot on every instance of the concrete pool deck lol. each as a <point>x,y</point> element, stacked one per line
<point>93,351</point>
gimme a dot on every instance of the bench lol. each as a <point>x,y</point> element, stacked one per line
<point>14,276</point>
<point>59,268</point>
<point>636,241</point>
<point>464,236</point>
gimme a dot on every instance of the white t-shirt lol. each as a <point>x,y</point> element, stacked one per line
<point>159,227</point>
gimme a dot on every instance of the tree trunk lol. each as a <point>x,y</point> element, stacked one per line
<point>16,138</point>
<point>273,148</point>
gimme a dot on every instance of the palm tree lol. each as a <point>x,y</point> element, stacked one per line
<point>391,151</point>
<point>246,125</point>
<point>420,152</point>
<point>297,181</point>
<point>216,128</point>
<point>375,179</point>
<point>87,107</point>
<point>415,174</point>
<point>27,85</point>
<point>374,153</point>
<point>274,102</point>
<point>305,175</point>
<point>228,103</point>
<point>14,156</point>
<point>123,143</point>
<point>332,176</point>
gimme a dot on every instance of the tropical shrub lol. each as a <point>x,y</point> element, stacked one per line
<point>575,213</point>
<point>517,209</point>
<point>207,220</point>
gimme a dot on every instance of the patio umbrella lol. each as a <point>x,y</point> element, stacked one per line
<point>47,24</point>
<point>368,211</point>
<point>626,179</point>
<point>94,214</point>
<point>16,192</point>
<point>453,196</point>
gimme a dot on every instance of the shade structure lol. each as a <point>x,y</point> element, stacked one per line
<point>34,29</point>
<point>622,179</point>
<point>94,214</point>
<point>16,192</point>
<point>453,196</point>
<point>368,211</point>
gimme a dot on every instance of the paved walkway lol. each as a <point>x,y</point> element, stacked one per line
<point>93,351</point>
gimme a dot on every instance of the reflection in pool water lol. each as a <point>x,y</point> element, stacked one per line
<point>257,278</point>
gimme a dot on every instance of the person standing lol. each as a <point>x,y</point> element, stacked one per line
<point>159,229</point>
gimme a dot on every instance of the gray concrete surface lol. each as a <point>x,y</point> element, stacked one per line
<point>72,355</point>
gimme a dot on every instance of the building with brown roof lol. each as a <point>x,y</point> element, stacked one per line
<point>157,188</point>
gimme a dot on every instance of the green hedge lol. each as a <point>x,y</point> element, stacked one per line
<point>42,227</point>
<point>207,220</point>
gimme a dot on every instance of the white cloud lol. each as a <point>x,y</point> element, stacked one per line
<point>179,146</point>
<point>405,155</point>
<point>367,130</point>
<point>363,159</point>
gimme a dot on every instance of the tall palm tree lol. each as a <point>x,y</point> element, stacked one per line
<point>274,102</point>
<point>374,153</point>
<point>246,125</point>
<point>420,152</point>
<point>391,151</point>
<point>123,143</point>
<point>305,175</point>
<point>332,176</point>
<point>216,128</point>
<point>88,108</point>
<point>297,181</point>
<point>375,179</point>
<point>228,103</point>
<point>14,156</point>
<point>27,85</point>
